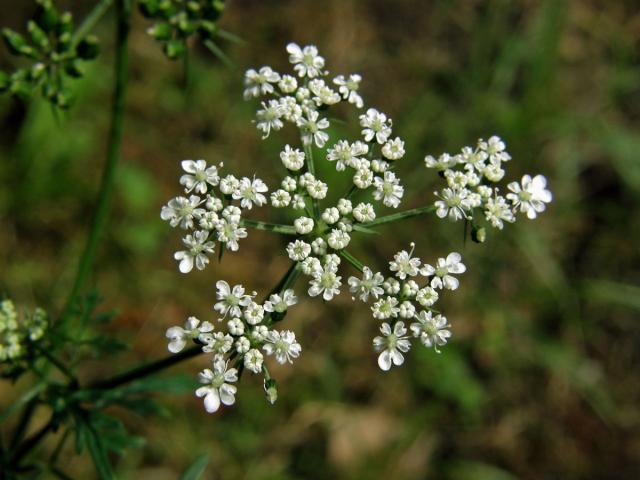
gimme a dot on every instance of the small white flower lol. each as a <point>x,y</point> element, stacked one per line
<point>388,189</point>
<point>279,303</point>
<point>311,266</point>
<point>178,336</point>
<point>391,345</point>
<point>291,110</point>
<point>242,345</point>
<point>432,331</point>
<point>379,166</point>
<point>229,233</point>
<point>410,288</point>
<point>229,184</point>
<point>443,162</point>
<point>455,204</point>
<point>317,189</point>
<point>283,345</point>
<point>368,285</point>
<point>325,281</point>
<point>391,286</point>
<point>497,211</point>
<point>407,310</point>
<point>253,360</point>
<point>269,117</point>
<point>253,313</point>
<point>197,248</point>
<point>331,259</point>
<point>235,326</point>
<point>250,192</point>
<point>427,296</point>
<point>312,128</point>
<point>217,342</point>
<point>493,172</point>
<point>530,195</point>
<point>181,211</point>
<point>495,150</point>
<point>289,184</point>
<point>259,333</point>
<point>375,125</point>
<point>303,225</point>
<point>292,158</point>
<point>473,159</point>
<point>331,215</point>
<point>259,83</point>
<point>442,272</point>
<point>393,149</point>
<point>319,246</point>
<point>346,154</point>
<point>344,206</point>
<point>280,198</point>
<point>324,95</point>
<point>348,88</point>
<point>298,250</point>
<point>306,60</point>
<point>198,176</point>
<point>363,178</point>
<point>217,385</point>
<point>288,84</point>
<point>404,264</point>
<point>230,300</point>
<point>386,307</point>
<point>364,212</point>
<point>338,239</point>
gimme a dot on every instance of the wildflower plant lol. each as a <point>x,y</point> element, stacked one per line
<point>214,210</point>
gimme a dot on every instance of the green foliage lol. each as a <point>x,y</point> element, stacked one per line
<point>56,52</point>
<point>177,20</point>
<point>196,469</point>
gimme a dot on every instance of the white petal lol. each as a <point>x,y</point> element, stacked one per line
<point>384,360</point>
<point>212,401</point>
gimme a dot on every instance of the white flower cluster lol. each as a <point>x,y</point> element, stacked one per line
<point>208,211</point>
<point>321,231</point>
<point>470,177</point>
<point>16,334</point>
<point>249,332</point>
<point>406,299</point>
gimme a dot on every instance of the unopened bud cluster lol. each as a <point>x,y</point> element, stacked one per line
<point>321,231</point>
<point>18,333</point>
<point>177,20</point>
<point>55,53</point>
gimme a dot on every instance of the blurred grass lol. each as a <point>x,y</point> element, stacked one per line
<point>541,378</point>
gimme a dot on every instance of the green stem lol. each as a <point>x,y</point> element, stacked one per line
<point>269,227</point>
<point>146,369</point>
<point>31,442</point>
<point>56,363</point>
<point>352,260</point>
<point>123,10</point>
<point>308,150</point>
<point>414,212</point>
<point>90,21</point>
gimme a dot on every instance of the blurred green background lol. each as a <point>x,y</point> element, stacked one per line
<point>541,378</point>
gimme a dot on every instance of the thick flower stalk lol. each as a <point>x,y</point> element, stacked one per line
<point>214,206</point>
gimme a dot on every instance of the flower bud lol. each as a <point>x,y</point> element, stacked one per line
<point>149,8</point>
<point>160,31</point>
<point>89,48</point>
<point>174,49</point>
<point>75,68</point>
<point>38,36</point>
<point>478,234</point>
<point>46,15</point>
<point>271,390</point>
<point>16,43</point>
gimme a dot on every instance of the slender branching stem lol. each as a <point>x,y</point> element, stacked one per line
<point>123,11</point>
<point>357,264</point>
<point>269,227</point>
<point>394,217</point>
<point>308,150</point>
<point>90,21</point>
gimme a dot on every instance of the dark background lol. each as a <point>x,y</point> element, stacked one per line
<point>541,378</point>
